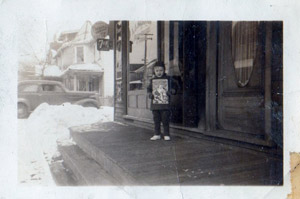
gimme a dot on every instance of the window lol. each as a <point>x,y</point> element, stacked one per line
<point>143,37</point>
<point>79,54</point>
<point>173,33</point>
<point>51,88</point>
<point>29,88</point>
<point>244,45</point>
<point>58,88</point>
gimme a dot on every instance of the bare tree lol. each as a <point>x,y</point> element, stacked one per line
<point>33,56</point>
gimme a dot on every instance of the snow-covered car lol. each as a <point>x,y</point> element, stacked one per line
<point>32,93</point>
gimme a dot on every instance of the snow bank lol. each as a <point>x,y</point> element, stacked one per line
<point>49,119</point>
<point>52,71</point>
<point>87,66</point>
<point>39,133</point>
<point>52,122</point>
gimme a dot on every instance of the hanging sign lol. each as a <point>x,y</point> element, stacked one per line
<point>104,44</point>
<point>99,30</point>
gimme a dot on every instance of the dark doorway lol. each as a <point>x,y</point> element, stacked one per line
<point>193,59</point>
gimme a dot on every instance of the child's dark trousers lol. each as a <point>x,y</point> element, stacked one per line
<point>164,117</point>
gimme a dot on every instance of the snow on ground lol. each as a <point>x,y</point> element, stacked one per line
<point>38,135</point>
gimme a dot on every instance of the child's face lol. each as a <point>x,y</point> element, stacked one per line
<point>158,71</point>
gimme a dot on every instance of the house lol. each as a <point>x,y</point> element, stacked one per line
<point>83,67</point>
<point>229,76</point>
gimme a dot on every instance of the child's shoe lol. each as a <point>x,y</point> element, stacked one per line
<point>167,138</point>
<point>155,137</point>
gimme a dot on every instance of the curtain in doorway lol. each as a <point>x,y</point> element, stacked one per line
<point>244,45</point>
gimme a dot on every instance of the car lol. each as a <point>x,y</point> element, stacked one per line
<point>32,93</point>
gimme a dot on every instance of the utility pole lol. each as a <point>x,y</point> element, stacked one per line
<point>147,37</point>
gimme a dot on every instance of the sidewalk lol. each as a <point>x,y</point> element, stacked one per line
<point>126,153</point>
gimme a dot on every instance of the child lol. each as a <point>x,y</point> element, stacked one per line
<point>159,92</point>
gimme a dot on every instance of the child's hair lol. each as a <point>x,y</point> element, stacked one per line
<point>159,64</point>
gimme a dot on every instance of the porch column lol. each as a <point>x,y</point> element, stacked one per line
<point>160,41</point>
<point>125,63</point>
<point>75,83</point>
<point>87,86</point>
<point>268,82</point>
<point>100,90</point>
<point>211,76</point>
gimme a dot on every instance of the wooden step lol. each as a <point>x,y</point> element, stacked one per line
<point>108,164</point>
<point>86,170</point>
<point>61,175</point>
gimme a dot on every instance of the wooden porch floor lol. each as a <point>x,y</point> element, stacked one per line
<point>126,153</point>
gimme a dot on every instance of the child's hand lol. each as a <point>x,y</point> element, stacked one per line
<point>151,96</point>
<point>171,92</point>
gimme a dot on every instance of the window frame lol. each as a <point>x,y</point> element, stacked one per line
<point>76,54</point>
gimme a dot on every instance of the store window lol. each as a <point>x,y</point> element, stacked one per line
<point>173,34</point>
<point>143,53</point>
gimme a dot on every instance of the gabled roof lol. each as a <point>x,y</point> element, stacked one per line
<point>83,36</point>
<point>69,33</point>
<point>85,33</point>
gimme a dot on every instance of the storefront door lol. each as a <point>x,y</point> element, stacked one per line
<point>240,83</point>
